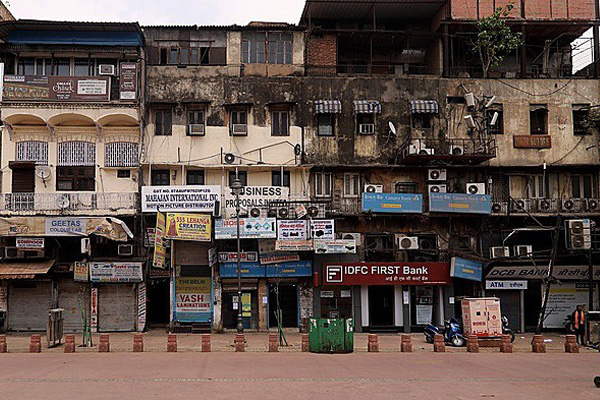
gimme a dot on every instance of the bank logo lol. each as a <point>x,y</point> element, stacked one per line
<point>334,274</point>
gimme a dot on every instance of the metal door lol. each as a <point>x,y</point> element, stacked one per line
<point>117,309</point>
<point>28,305</point>
<point>74,298</point>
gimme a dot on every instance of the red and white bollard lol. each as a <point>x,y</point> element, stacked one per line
<point>171,343</point>
<point>206,343</point>
<point>138,343</point>
<point>104,346</point>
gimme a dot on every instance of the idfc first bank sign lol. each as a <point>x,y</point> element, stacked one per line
<point>412,273</point>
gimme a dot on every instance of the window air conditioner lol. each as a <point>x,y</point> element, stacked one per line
<point>196,129</point>
<point>239,129</point>
<point>499,252</point>
<point>106,69</point>
<point>436,175</point>
<point>125,250</point>
<point>366,129</point>
<point>523,250</point>
<point>407,242</point>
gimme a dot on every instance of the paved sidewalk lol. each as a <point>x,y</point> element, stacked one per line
<point>156,341</point>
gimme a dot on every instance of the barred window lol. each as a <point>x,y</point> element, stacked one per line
<point>77,154</point>
<point>121,154</point>
<point>33,151</point>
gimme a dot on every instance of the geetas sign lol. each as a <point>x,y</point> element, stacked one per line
<point>380,273</point>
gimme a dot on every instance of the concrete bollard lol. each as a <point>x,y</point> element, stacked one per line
<point>69,343</point>
<point>505,344</point>
<point>472,344</point>
<point>406,344</point>
<point>239,342</point>
<point>273,345</point>
<point>438,344</point>
<point>206,343</point>
<point>538,345</point>
<point>35,344</point>
<point>305,343</point>
<point>104,346</point>
<point>373,344</point>
<point>3,345</point>
<point>171,343</point>
<point>571,344</point>
<point>138,343</point>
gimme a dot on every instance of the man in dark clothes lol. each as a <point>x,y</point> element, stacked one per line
<point>579,324</point>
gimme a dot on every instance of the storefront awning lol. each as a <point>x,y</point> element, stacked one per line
<point>328,106</point>
<point>24,270</point>
<point>424,106</point>
<point>367,107</point>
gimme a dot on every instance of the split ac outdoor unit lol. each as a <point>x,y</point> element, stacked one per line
<point>106,69</point>
<point>523,250</point>
<point>371,188</point>
<point>456,150</point>
<point>437,188</point>
<point>125,250</point>
<point>366,129</point>
<point>436,175</point>
<point>521,205</point>
<point>196,129</point>
<point>229,158</point>
<point>351,236</point>
<point>255,212</point>
<point>476,188</point>
<point>407,242</point>
<point>593,205</point>
<point>239,129</point>
<point>499,207</point>
<point>572,205</point>
<point>499,252</point>
<point>579,234</point>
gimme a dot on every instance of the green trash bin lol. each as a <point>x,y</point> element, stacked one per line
<point>327,335</point>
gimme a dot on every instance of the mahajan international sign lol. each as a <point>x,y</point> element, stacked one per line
<point>192,198</point>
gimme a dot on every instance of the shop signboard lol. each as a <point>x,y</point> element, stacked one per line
<point>66,226</point>
<point>294,245</point>
<point>191,198</point>
<point>254,197</point>
<point>561,272</point>
<point>246,256</point>
<point>395,203</point>
<point>461,203</point>
<point>94,309</point>
<point>505,285</point>
<point>193,297</point>
<point>248,270</point>
<point>466,269</point>
<point>250,228</point>
<point>323,229</point>
<point>290,229</point>
<point>80,271</point>
<point>160,250</point>
<point>563,299</point>
<point>268,254</point>
<point>193,227</point>
<point>388,273</point>
<point>128,81</point>
<point>149,237</point>
<point>116,272</point>
<point>257,270</point>
<point>56,88</point>
<point>26,243</point>
<point>340,246</point>
<point>246,305</point>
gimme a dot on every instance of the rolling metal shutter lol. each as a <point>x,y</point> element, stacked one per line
<point>28,305</point>
<point>117,309</point>
<point>72,297</point>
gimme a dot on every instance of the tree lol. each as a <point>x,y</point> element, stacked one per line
<point>495,40</point>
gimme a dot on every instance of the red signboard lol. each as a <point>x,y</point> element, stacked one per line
<point>387,273</point>
<point>532,141</point>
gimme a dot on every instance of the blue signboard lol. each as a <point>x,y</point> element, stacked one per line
<point>466,269</point>
<point>396,203</point>
<point>257,270</point>
<point>460,203</point>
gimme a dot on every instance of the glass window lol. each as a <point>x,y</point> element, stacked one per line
<point>121,154</point>
<point>241,175</point>
<point>62,66</point>
<point>498,127</point>
<point>184,56</point>
<point>174,56</point>
<point>77,153</point>
<point>254,48</point>
<point>26,66</point>
<point>536,188</point>
<point>276,178</point>
<point>582,186</point>
<point>351,185</point>
<point>581,114</point>
<point>538,119</point>
<point>280,123</point>
<point>280,48</point>
<point>81,67</point>
<point>195,56</point>
<point>239,117</point>
<point>194,177</point>
<point>163,122</point>
<point>323,184</point>
<point>75,178</point>
<point>421,120</point>
<point>326,124</point>
<point>161,177</point>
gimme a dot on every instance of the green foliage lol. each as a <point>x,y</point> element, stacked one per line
<point>495,40</point>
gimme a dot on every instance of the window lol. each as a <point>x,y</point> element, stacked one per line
<point>536,187</point>
<point>254,48</point>
<point>194,177</point>
<point>161,177</point>
<point>365,123</point>
<point>323,184</point>
<point>62,66</point>
<point>280,123</point>
<point>498,127</point>
<point>326,124</point>
<point>174,56</point>
<point>195,117</point>
<point>582,187</point>
<point>124,173</point>
<point>75,178</point>
<point>538,119</point>
<point>276,178</point>
<point>351,185</point>
<point>280,48</point>
<point>581,115</point>
<point>238,120</point>
<point>33,151</point>
<point>258,47</point>
<point>163,122</point>
<point>77,154</point>
<point>241,175</point>
<point>163,56</point>
<point>76,168</point>
<point>121,154</point>
<point>405,187</point>
<point>421,120</point>
<point>81,67</point>
<point>26,66</point>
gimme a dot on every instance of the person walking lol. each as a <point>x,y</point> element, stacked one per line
<point>579,324</point>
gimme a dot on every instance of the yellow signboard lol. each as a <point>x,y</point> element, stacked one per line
<point>160,251</point>
<point>196,227</point>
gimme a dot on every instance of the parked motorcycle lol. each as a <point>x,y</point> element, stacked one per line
<point>569,324</point>
<point>451,331</point>
<point>506,329</point>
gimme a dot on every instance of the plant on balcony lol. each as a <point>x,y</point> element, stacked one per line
<point>495,40</point>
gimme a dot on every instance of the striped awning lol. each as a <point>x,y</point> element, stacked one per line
<point>424,106</point>
<point>24,270</point>
<point>367,107</point>
<point>328,106</point>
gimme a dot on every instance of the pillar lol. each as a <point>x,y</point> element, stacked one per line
<point>262,306</point>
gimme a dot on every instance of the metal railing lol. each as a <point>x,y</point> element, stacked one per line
<point>67,202</point>
<point>347,206</point>
<point>531,72</point>
<point>368,69</point>
<point>450,149</point>
<point>546,206</point>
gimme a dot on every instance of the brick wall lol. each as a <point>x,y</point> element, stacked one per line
<point>322,50</point>
<point>534,9</point>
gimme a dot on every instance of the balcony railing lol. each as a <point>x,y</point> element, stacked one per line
<point>546,206</point>
<point>452,151</point>
<point>68,202</point>
<point>347,206</point>
<point>532,72</point>
<point>368,69</point>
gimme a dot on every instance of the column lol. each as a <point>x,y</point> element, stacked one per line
<point>398,305</point>
<point>262,306</point>
<point>364,305</point>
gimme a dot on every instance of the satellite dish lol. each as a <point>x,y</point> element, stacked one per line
<point>392,127</point>
<point>43,172</point>
<point>63,201</point>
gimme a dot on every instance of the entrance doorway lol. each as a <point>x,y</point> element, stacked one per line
<point>158,302</point>
<point>288,305</point>
<point>381,306</point>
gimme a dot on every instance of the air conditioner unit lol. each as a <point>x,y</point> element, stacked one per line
<point>572,205</point>
<point>283,212</point>
<point>255,212</point>
<point>39,253</point>
<point>407,242</point>
<point>579,234</point>
<point>499,252</point>
<point>125,250</point>
<point>523,250</point>
<point>366,129</point>
<point>499,208</point>
<point>593,205</point>
<point>425,151</point>
<point>470,100</point>
<point>520,205</point>
<point>357,237</point>
<point>427,243</point>
<point>239,129</point>
<point>12,252</point>
<point>456,150</point>
<point>106,69</point>
<point>437,188</point>
<point>196,129</point>
<point>475,188</point>
<point>371,188</point>
<point>436,175</point>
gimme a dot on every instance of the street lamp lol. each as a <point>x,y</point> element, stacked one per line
<point>236,188</point>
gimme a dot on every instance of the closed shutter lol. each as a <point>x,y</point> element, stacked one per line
<point>28,305</point>
<point>77,154</point>
<point>73,297</point>
<point>23,180</point>
<point>117,309</point>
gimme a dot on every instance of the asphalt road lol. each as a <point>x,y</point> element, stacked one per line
<point>250,376</point>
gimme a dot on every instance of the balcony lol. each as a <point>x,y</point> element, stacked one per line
<point>347,206</point>
<point>525,206</point>
<point>449,151</point>
<point>350,69</point>
<point>76,203</point>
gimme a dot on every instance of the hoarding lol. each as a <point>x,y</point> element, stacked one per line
<point>254,197</point>
<point>160,250</point>
<point>294,245</point>
<point>116,272</point>
<point>460,203</point>
<point>339,246</point>
<point>392,273</point>
<point>128,81</point>
<point>80,271</point>
<point>396,203</point>
<point>250,228</point>
<point>193,227</point>
<point>563,299</point>
<point>192,198</point>
<point>193,295</point>
<point>25,243</point>
<point>66,226</point>
<point>56,88</point>
<point>292,230</point>
<point>466,269</point>
<point>323,229</point>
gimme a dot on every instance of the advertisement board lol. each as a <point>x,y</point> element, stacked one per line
<point>466,269</point>
<point>115,272</point>
<point>392,273</point>
<point>193,227</point>
<point>246,256</point>
<point>25,243</point>
<point>323,229</point>
<point>397,203</point>
<point>460,203</point>
<point>191,198</point>
<point>56,88</point>
<point>294,245</point>
<point>254,197</point>
<point>250,228</point>
<point>128,81</point>
<point>66,226</point>
<point>160,250</point>
<point>339,246</point>
<point>292,229</point>
<point>80,271</point>
<point>193,295</point>
<point>563,299</point>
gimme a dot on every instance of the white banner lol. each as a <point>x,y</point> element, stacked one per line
<point>117,272</point>
<point>563,300</point>
<point>254,197</point>
<point>193,198</point>
<point>292,229</point>
<point>250,228</point>
<point>323,229</point>
<point>30,243</point>
<point>335,246</point>
<point>506,285</point>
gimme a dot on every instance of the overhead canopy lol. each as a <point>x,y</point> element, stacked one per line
<point>424,106</point>
<point>24,270</point>
<point>328,106</point>
<point>367,107</point>
<point>75,37</point>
